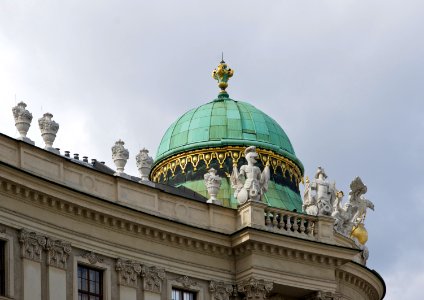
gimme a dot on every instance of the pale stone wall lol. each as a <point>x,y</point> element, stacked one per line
<point>58,214</point>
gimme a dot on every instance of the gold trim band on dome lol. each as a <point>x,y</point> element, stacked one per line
<point>274,160</point>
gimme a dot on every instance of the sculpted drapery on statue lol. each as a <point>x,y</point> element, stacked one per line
<point>249,183</point>
<point>319,195</point>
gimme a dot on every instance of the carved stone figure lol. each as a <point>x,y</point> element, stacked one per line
<point>350,218</point>
<point>213,184</point>
<point>319,195</point>
<point>128,272</point>
<point>120,156</point>
<point>152,278</point>
<point>249,183</point>
<point>23,120</point>
<point>48,129</point>
<point>144,164</point>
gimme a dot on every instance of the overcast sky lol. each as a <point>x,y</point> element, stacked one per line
<point>343,78</point>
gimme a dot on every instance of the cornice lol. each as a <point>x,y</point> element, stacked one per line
<point>108,220</point>
<point>358,283</point>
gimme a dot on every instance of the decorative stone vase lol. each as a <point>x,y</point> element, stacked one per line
<point>213,184</point>
<point>48,129</point>
<point>120,156</point>
<point>23,120</point>
<point>144,164</point>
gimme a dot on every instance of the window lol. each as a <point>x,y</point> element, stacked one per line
<point>2,268</point>
<point>178,294</point>
<point>90,283</point>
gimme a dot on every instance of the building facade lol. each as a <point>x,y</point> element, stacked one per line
<point>72,229</point>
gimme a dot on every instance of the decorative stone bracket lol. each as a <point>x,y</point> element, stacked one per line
<point>128,271</point>
<point>255,288</point>
<point>33,245</point>
<point>152,278</point>
<point>220,290</point>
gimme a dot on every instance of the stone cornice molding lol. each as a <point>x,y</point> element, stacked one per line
<point>32,245</point>
<point>128,271</point>
<point>92,257</point>
<point>58,253</point>
<point>186,282</point>
<point>359,283</point>
<point>152,278</point>
<point>103,219</point>
<point>254,288</point>
<point>220,290</point>
<point>294,254</point>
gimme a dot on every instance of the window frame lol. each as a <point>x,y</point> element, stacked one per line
<point>88,279</point>
<point>102,267</point>
<point>182,291</point>
<point>198,290</point>
<point>9,271</point>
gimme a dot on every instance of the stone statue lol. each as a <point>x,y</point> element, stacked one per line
<point>319,195</point>
<point>349,219</point>
<point>213,184</point>
<point>249,183</point>
<point>144,164</point>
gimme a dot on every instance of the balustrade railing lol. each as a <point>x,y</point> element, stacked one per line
<point>291,223</point>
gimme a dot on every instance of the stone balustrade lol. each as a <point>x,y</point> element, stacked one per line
<point>291,223</point>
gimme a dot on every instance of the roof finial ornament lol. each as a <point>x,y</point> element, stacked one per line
<point>222,73</point>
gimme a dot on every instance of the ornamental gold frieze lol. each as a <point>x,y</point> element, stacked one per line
<point>276,161</point>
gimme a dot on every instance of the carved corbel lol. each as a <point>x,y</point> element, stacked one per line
<point>58,253</point>
<point>32,245</point>
<point>152,278</point>
<point>220,290</point>
<point>255,288</point>
<point>128,271</point>
<point>92,257</point>
<point>320,295</point>
<point>186,282</point>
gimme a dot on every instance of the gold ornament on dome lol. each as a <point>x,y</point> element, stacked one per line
<point>222,74</point>
<point>268,158</point>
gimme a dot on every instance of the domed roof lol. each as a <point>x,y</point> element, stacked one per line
<point>225,122</point>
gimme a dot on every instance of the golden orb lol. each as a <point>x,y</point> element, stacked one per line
<point>360,233</point>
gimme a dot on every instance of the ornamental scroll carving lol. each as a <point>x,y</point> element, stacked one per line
<point>152,278</point>
<point>186,282</point>
<point>92,257</point>
<point>58,253</point>
<point>220,290</point>
<point>255,288</point>
<point>128,272</point>
<point>32,245</point>
<point>320,295</point>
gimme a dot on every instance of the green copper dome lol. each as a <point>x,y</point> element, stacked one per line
<point>214,135</point>
<point>225,122</point>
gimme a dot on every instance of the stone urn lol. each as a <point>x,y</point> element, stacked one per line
<point>48,129</point>
<point>120,156</point>
<point>144,164</point>
<point>213,184</point>
<point>23,120</point>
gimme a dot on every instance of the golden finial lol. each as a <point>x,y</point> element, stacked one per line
<point>222,73</point>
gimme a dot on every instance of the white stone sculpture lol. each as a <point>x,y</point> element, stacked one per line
<point>144,164</point>
<point>120,156</point>
<point>352,213</point>
<point>23,120</point>
<point>319,195</point>
<point>48,129</point>
<point>249,183</point>
<point>213,184</point>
